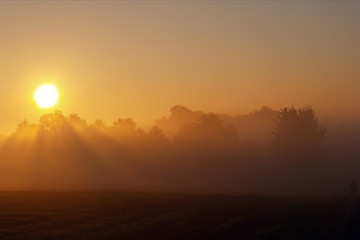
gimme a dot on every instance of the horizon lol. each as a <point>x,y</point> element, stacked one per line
<point>326,121</point>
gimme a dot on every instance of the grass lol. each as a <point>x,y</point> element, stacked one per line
<point>112,215</point>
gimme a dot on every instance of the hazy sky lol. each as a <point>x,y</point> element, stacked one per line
<point>137,59</point>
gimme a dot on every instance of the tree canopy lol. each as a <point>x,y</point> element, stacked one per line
<point>298,134</point>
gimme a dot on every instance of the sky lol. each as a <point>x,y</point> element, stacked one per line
<point>137,59</point>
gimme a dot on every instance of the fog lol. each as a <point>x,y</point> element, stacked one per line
<point>267,151</point>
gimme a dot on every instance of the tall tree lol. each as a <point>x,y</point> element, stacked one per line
<point>298,135</point>
<point>298,143</point>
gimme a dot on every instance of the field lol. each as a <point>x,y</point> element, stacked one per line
<point>111,215</point>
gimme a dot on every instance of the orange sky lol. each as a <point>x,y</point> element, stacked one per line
<point>137,59</point>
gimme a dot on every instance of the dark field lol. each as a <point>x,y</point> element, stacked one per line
<point>174,216</point>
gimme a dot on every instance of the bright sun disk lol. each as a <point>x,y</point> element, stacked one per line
<point>46,95</point>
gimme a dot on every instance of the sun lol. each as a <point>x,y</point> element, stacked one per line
<point>46,95</point>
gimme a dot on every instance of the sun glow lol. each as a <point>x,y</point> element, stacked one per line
<point>46,95</point>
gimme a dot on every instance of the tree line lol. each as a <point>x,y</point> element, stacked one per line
<point>206,152</point>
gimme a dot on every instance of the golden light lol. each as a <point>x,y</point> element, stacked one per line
<point>46,95</point>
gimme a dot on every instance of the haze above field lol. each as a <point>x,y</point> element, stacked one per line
<point>137,59</point>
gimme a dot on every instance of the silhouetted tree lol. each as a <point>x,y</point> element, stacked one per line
<point>157,137</point>
<point>183,114</point>
<point>98,124</point>
<point>52,121</point>
<point>298,133</point>
<point>179,116</point>
<point>209,129</point>
<point>298,144</point>
<point>76,120</point>
<point>123,128</point>
<point>25,126</point>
